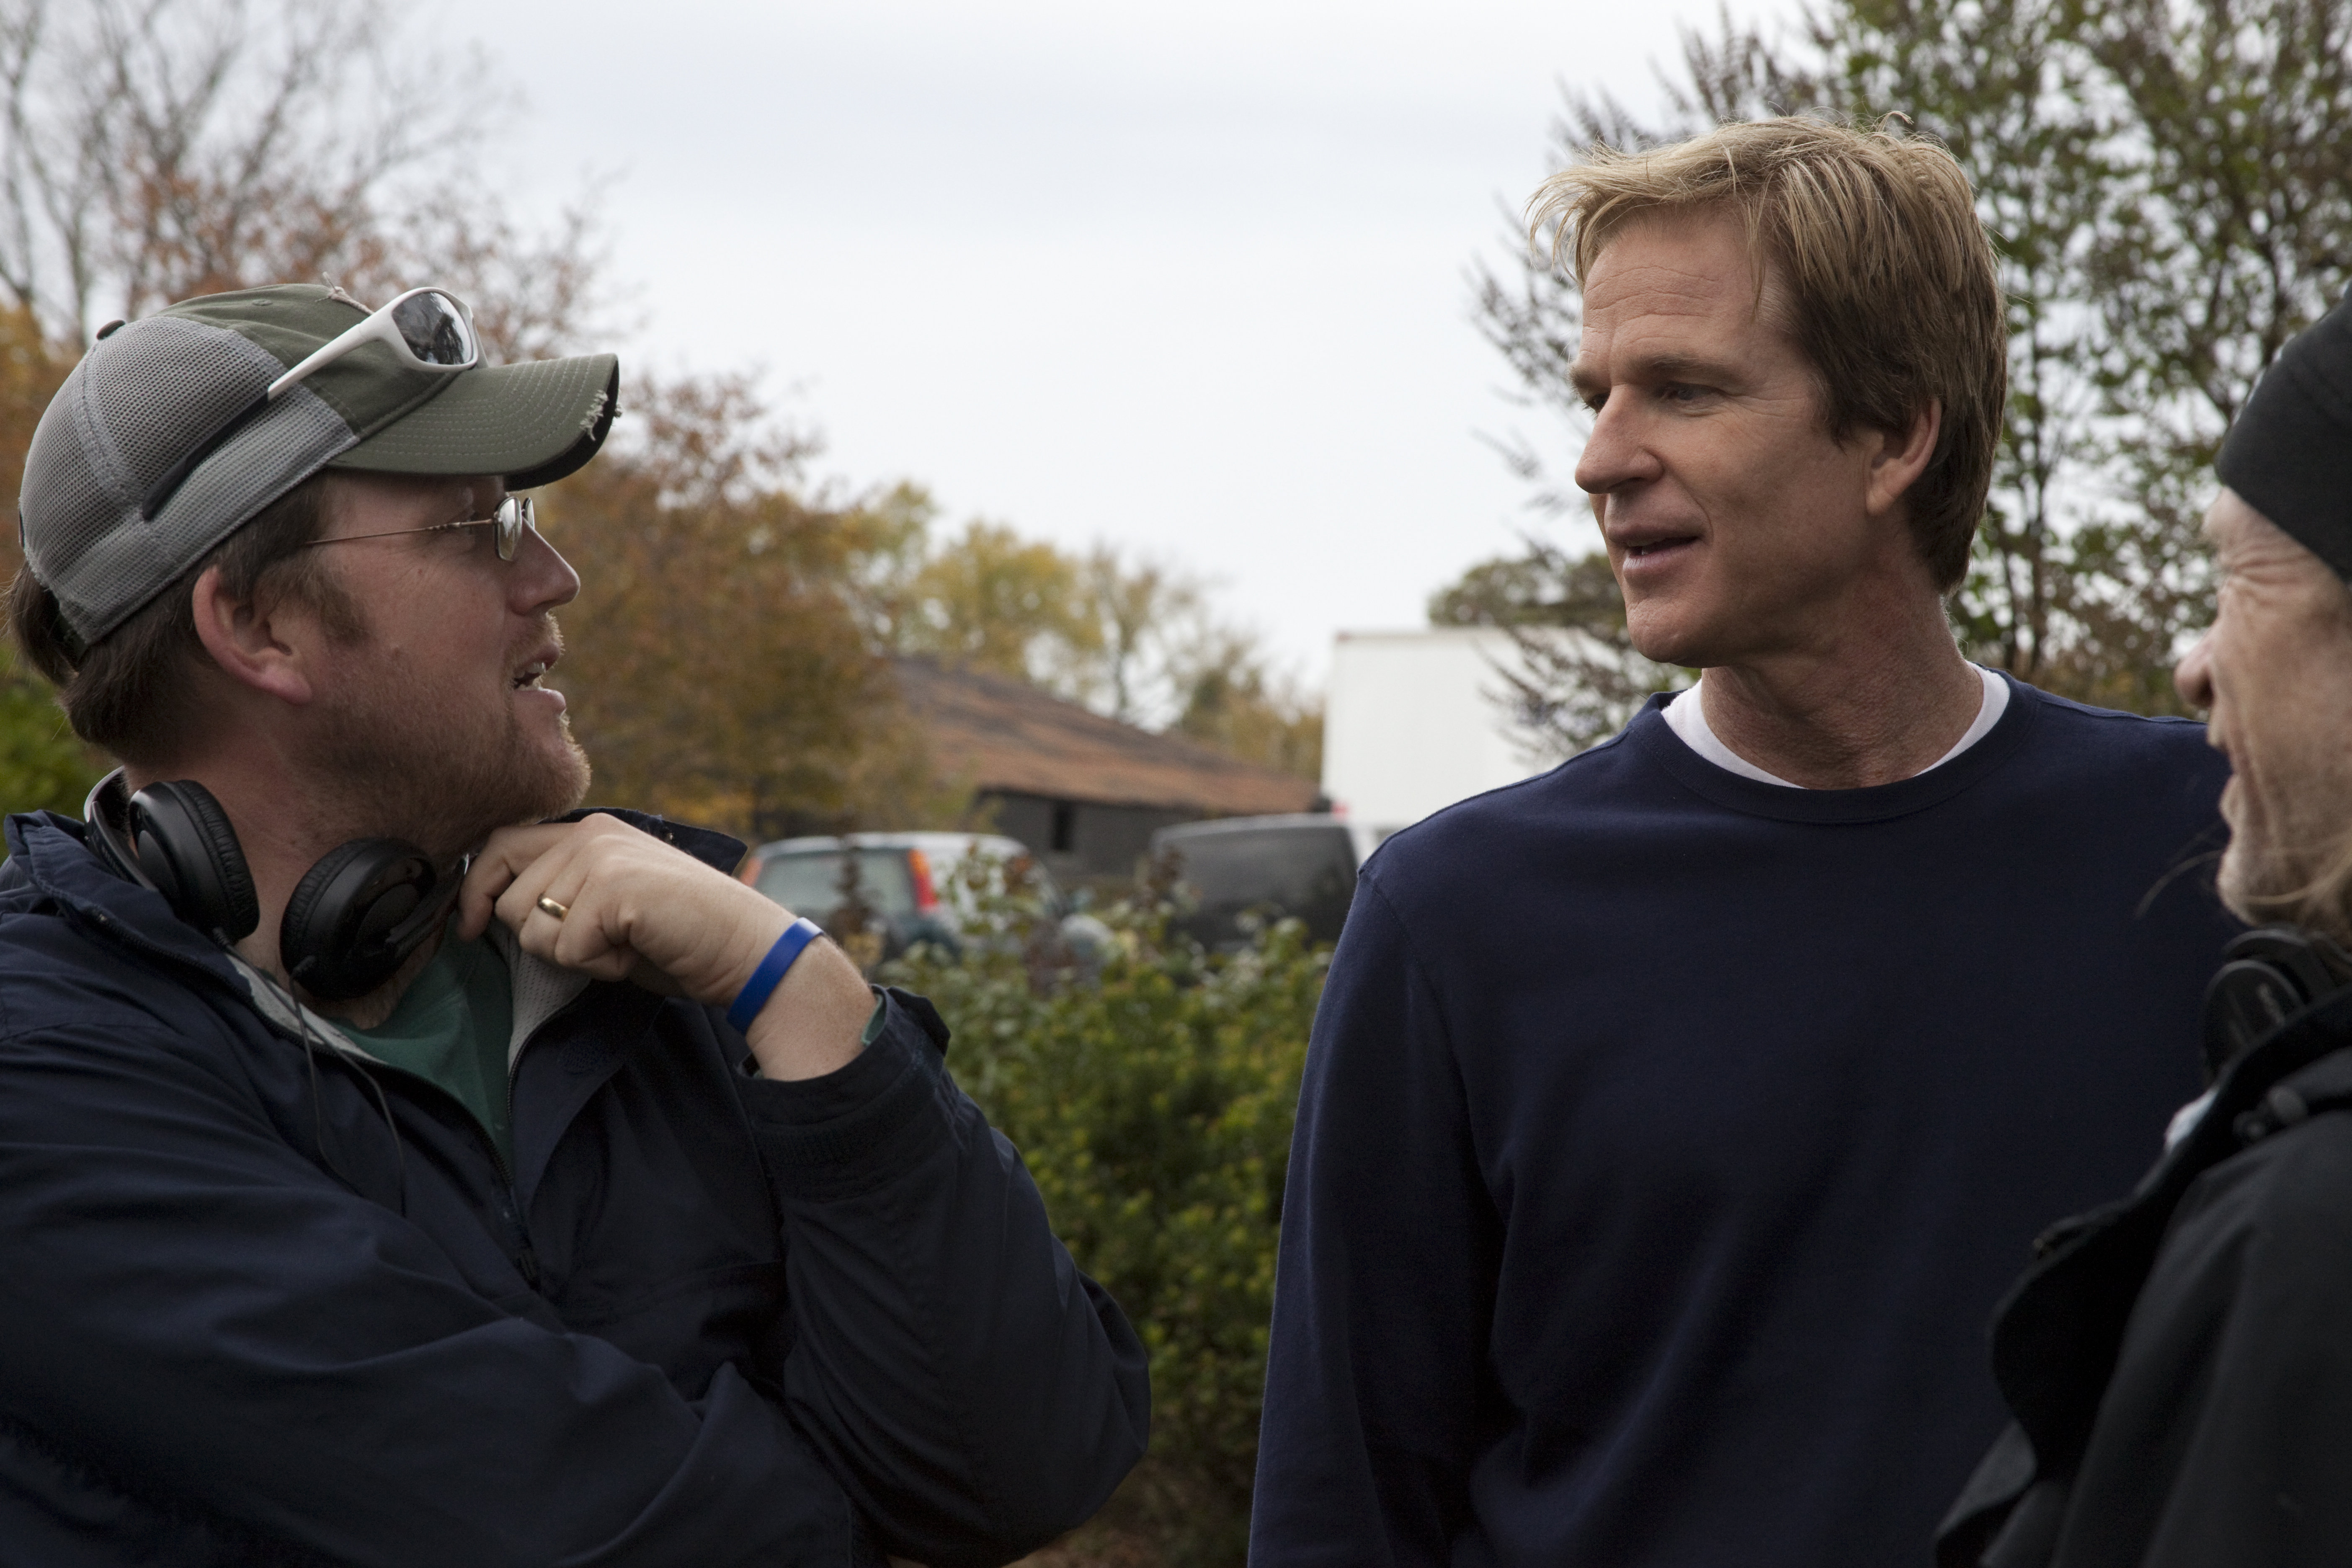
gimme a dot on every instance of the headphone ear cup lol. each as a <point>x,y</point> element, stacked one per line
<point>349,924</point>
<point>186,847</point>
<point>301,935</point>
<point>2270,974</point>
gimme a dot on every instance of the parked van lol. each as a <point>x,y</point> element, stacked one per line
<point>1301,866</point>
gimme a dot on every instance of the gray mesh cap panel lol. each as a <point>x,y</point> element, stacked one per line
<point>139,402</point>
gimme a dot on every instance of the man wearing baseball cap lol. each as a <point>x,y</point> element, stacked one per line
<point>398,1165</point>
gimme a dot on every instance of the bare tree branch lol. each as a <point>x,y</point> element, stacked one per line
<point>158,149</point>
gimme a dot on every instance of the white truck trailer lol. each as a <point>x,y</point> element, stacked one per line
<point>1414,721</point>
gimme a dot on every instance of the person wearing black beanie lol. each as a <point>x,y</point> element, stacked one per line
<point>2289,455</point>
<point>2179,1363</point>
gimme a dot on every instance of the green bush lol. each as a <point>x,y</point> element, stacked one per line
<point>42,762</point>
<point>1153,1098</point>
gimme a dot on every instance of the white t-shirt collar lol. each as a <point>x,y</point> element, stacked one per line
<point>1687,717</point>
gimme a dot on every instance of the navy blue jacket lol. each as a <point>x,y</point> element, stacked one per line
<point>706,1318</point>
<point>1667,1138</point>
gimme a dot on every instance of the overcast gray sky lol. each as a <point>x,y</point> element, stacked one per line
<point>1188,277</point>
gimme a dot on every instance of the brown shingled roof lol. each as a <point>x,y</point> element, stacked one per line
<point>1007,735</point>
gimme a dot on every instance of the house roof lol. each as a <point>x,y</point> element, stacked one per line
<point>1007,735</point>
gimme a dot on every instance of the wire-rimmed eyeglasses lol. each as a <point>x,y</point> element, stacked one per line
<point>513,515</point>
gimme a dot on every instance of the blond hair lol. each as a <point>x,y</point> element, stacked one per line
<point>1885,281</point>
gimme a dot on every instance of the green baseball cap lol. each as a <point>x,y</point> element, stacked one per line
<point>109,521</point>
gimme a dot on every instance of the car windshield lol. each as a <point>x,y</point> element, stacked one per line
<point>808,881</point>
<point>1309,872</point>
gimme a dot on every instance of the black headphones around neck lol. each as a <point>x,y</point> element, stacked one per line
<point>354,917</point>
<point>2267,975</point>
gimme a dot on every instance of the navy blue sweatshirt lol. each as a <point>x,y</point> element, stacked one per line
<point>1667,1138</point>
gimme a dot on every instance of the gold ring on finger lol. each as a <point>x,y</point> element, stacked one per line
<point>551,907</point>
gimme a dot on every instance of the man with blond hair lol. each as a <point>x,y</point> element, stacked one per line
<point>1674,1119</point>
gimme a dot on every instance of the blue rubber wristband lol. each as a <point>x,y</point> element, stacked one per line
<point>771,973</point>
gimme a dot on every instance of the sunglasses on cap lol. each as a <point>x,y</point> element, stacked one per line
<point>431,329</point>
<point>505,525</point>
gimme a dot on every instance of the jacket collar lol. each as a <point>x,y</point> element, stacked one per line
<point>543,989</point>
<point>2056,1334</point>
<point>52,855</point>
<point>49,854</point>
<point>711,847</point>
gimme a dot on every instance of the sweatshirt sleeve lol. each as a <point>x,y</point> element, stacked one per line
<point>978,1394</point>
<point>197,1317</point>
<point>1376,1393</point>
<point>2226,1430</point>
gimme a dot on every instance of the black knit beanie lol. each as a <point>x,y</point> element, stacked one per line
<point>2289,455</point>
